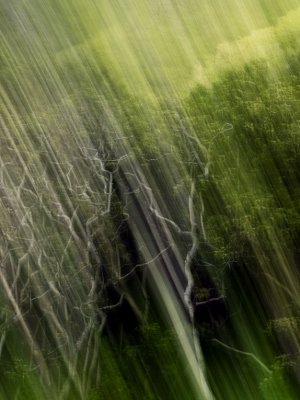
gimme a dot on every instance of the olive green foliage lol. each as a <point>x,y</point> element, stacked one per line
<point>249,122</point>
<point>237,138</point>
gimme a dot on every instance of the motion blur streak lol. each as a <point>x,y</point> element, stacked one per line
<point>149,188</point>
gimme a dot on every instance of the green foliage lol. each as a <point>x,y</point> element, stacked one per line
<point>147,369</point>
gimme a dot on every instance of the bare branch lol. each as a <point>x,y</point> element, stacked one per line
<point>147,263</point>
<point>245,353</point>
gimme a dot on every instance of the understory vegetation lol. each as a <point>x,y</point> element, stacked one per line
<point>149,243</point>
